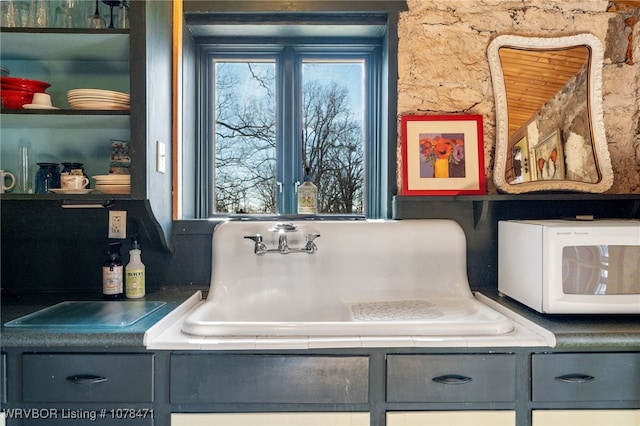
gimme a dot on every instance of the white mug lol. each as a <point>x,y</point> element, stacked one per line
<point>4,175</point>
<point>73,181</point>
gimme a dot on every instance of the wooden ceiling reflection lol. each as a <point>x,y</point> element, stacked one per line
<point>532,77</point>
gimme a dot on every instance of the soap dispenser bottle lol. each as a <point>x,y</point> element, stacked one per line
<point>307,195</point>
<point>135,272</point>
<point>112,274</point>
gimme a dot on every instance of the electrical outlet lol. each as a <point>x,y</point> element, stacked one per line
<point>117,224</point>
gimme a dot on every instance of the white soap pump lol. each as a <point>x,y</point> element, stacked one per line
<point>135,272</point>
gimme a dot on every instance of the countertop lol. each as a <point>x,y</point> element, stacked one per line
<point>16,306</point>
<point>619,332</point>
<point>577,332</point>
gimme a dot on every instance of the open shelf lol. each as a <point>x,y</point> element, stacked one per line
<point>57,44</point>
<point>64,119</point>
<point>482,211</point>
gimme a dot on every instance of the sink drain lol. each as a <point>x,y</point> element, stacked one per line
<point>401,310</point>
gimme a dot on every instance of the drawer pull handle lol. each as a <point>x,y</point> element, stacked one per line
<point>575,378</point>
<point>452,379</point>
<point>86,379</point>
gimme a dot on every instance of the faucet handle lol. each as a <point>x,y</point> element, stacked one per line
<point>311,237</point>
<point>310,247</point>
<point>255,238</point>
<point>259,247</point>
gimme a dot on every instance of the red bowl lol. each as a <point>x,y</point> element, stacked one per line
<point>4,86</point>
<point>14,99</point>
<point>26,84</point>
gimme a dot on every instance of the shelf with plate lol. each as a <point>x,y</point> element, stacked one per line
<point>103,189</point>
<point>64,118</point>
<point>67,59</point>
<point>93,197</point>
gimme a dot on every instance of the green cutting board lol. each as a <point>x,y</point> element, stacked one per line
<point>114,314</point>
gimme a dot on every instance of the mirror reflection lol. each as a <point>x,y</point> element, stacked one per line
<point>550,134</point>
<point>546,104</point>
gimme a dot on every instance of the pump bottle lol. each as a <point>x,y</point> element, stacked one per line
<point>112,274</point>
<point>307,195</point>
<point>135,272</point>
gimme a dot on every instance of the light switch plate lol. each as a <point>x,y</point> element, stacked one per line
<point>161,157</point>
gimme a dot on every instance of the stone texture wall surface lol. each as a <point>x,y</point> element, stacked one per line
<point>443,66</point>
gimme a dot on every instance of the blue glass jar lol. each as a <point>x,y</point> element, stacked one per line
<point>47,177</point>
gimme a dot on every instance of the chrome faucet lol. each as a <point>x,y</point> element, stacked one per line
<point>283,244</point>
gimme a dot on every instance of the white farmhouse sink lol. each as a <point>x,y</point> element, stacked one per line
<point>366,278</point>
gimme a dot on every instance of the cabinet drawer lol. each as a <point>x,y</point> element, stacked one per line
<point>87,377</point>
<point>451,378</point>
<point>269,379</point>
<point>586,377</point>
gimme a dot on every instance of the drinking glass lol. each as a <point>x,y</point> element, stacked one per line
<point>122,21</point>
<point>38,14</point>
<point>66,14</point>
<point>111,4</point>
<point>23,10</point>
<point>25,181</point>
<point>10,14</point>
<point>94,20</point>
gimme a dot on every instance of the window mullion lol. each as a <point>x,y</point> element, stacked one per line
<point>289,140</point>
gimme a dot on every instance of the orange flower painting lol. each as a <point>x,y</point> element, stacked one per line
<point>442,155</point>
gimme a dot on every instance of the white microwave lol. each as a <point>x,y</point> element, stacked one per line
<point>571,266</point>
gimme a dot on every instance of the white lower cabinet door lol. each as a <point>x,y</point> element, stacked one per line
<point>586,417</point>
<point>451,418</point>
<point>270,419</point>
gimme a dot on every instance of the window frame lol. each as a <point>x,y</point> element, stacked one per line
<point>289,57</point>
<point>196,15</point>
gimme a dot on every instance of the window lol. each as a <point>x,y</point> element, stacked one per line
<point>277,114</point>
<point>303,90</point>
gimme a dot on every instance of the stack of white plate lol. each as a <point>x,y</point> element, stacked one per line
<point>97,99</point>
<point>113,184</point>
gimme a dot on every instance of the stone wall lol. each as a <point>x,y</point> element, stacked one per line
<point>443,66</point>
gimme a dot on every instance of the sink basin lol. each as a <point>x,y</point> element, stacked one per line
<point>422,317</point>
<point>366,278</point>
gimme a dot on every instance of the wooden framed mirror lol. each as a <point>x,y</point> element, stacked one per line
<point>549,122</point>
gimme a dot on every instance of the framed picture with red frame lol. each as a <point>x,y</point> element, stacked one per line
<point>442,155</point>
